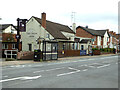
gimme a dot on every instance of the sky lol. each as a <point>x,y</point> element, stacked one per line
<point>96,14</point>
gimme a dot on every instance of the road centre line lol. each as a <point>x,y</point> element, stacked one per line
<point>48,70</point>
<point>104,66</point>
<point>72,68</point>
<point>39,71</point>
<point>85,70</point>
<point>54,69</point>
<point>68,73</point>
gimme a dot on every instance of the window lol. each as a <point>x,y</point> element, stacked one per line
<point>99,38</point>
<point>82,47</point>
<point>95,38</point>
<point>14,46</point>
<point>30,47</point>
<point>4,46</point>
<point>108,39</point>
<point>76,46</point>
<point>47,36</point>
<point>63,46</point>
<point>73,46</point>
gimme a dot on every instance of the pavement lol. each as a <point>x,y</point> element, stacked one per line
<point>19,62</point>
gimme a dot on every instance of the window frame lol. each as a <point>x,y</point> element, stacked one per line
<point>4,46</point>
<point>14,46</point>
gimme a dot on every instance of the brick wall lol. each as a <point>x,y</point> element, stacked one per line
<point>82,33</point>
<point>5,37</point>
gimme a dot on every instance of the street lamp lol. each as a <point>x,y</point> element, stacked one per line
<point>39,40</point>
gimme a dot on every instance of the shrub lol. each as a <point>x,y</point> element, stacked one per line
<point>95,49</point>
<point>101,49</point>
<point>106,49</point>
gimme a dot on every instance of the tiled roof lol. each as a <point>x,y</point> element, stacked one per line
<point>56,29</point>
<point>93,31</point>
<point>4,26</point>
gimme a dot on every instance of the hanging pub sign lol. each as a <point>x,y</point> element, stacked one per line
<point>22,25</point>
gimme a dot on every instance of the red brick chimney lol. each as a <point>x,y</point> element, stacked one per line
<point>43,17</point>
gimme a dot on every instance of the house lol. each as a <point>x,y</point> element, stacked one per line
<point>41,31</point>
<point>85,46</point>
<point>99,37</point>
<point>118,41</point>
<point>9,43</point>
<point>8,28</point>
<point>113,43</point>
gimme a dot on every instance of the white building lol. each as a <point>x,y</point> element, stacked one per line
<point>9,28</point>
<point>41,29</point>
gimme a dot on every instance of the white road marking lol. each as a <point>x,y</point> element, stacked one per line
<point>18,66</point>
<point>39,71</point>
<point>85,70</point>
<point>54,69</point>
<point>5,76</point>
<point>104,66</point>
<point>29,78</point>
<point>48,70</point>
<point>72,68</point>
<point>65,62</point>
<point>102,58</point>
<point>21,78</point>
<point>83,65</point>
<point>75,61</point>
<point>39,65</point>
<point>92,66</point>
<point>12,66</point>
<point>68,73</point>
<point>29,65</point>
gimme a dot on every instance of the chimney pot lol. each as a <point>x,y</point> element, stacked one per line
<point>43,17</point>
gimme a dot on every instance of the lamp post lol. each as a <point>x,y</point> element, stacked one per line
<point>39,40</point>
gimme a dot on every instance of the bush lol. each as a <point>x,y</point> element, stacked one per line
<point>106,49</point>
<point>9,59</point>
<point>95,49</point>
<point>101,49</point>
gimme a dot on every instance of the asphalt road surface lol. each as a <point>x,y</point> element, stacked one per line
<point>97,72</point>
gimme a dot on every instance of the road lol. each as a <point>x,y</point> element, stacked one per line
<point>97,72</point>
